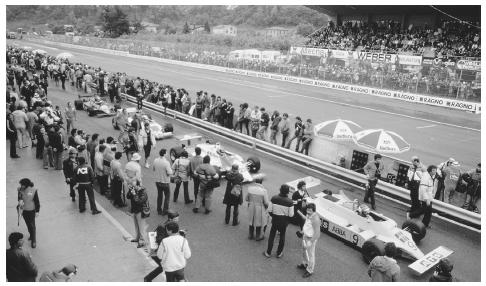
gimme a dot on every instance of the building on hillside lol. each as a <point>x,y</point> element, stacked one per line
<point>276,32</point>
<point>224,30</point>
<point>149,27</point>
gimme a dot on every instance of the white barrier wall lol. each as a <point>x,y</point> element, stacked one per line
<point>474,107</point>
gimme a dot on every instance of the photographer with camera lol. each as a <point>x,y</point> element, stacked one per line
<point>173,253</point>
<point>373,170</point>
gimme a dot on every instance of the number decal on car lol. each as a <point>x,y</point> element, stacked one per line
<point>324,225</point>
<point>355,239</point>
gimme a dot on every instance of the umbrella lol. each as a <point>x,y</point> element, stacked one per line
<point>336,129</point>
<point>42,52</point>
<point>64,56</point>
<point>382,141</point>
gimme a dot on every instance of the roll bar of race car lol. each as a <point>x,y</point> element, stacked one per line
<point>393,192</point>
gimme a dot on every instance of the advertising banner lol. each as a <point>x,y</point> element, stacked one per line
<point>375,57</point>
<point>309,51</point>
<point>469,65</point>
<point>410,60</point>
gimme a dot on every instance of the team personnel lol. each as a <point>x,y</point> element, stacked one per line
<point>428,187</point>
<point>117,178</point>
<point>20,267</point>
<point>29,206</point>
<point>68,167</point>
<point>163,171</point>
<point>84,178</point>
<point>373,170</point>
<point>281,209</point>
<point>257,198</point>
<point>414,176</point>
<point>174,253</point>
<point>208,175</point>
<point>195,161</point>
<point>311,232</point>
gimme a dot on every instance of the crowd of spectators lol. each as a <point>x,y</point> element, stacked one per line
<point>451,38</point>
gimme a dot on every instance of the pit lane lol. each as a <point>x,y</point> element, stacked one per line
<point>223,253</point>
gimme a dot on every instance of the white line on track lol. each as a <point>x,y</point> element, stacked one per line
<point>275,96</point>
<point>427,126</point>
<point>125,233</point>
<point>252,85</point>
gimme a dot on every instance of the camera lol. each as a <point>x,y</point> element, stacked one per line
<point>183,232</point>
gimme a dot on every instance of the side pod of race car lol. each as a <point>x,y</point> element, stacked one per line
<point>369,231</point>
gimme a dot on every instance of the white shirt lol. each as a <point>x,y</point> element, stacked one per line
<point>173,253</point>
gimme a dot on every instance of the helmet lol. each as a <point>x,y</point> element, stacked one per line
<point>365,209</point>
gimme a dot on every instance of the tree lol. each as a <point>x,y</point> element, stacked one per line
<point>115,22</point>
<point>185,29</point>
<point>305,29</point>
<point>137,27</point>
<point>206,27</point>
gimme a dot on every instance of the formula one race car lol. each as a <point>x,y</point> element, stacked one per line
<point>158,131</point>
<point>367,230</point>
<point>95,106</point>
<point>220,158</point>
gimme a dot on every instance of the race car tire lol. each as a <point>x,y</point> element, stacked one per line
<point>254,165</point>
<point>78,104</point>
<point>115,124</point>
<point>168,128</point>
<point>416,228</point>
<point>91,112</point>
<point>372,248</point>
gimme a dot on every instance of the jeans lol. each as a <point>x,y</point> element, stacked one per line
<point>186,191</point>
<point>370,192</point>
<point>57,159</point>
<point>175,276</point>
<point>83,190</point>
<point>13,148</point>
<point>196,187</point>
<point>29,217</point>
<point>273,137</point>
<point>261,133</point>
<point>305,145</point>
<point>69,124</point>
<point>309,256</point>
<point>140,227</point>
<point>72,193</point>
<point>163,190</point>
<point>156,272</point>
<point>299,139</point>
<point>284,138</point>
<point>22,137</point>
<point>205,194</point>
<point>414,195</point>
<point>281,228</point>
<point>228,213</point>
<point>116,188</point>
<point>427,211</point>
<point>102,183</point>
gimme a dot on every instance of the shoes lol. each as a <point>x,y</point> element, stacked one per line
<point>306,274</point>
<point>73,199</point>
<point>96,212</point>
<point>33,244</point>
<point>207,211</point>
<point>189,202</point>
<point>159,212</point>
<point>236,223</point>
<point>195,210</point>
<point>266,254</point>
<point>260,238</point>
<point>82,211</point>
<point>428,226</point>
<point>373,208</point>
<point>16,157</point>
<point>175,201</point>
<point>366,201</point>
<point>280,255</point>
<point>226,222</point>
<point>134,240</point>
<point>302,266</point>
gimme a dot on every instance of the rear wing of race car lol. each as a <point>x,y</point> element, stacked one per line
<point>429,260</point>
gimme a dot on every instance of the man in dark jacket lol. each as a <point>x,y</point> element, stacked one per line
<point>281,209</point>
<point>161,233</point>
<point>373,170</point>
<point>69,165</point>
<point>233,196</point>
<point>84,177</point>
<point>443,271</point>
<point>12,136</point>
<point>20,267</point>
<point>385,268</point>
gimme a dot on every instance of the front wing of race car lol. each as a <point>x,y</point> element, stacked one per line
<point>430,260</point>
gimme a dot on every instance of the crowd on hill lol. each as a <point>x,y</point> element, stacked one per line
<point>451,38</point>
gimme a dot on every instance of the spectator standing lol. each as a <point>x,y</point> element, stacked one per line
<point>195,161</point>
<point>298,133</point>
<point>310,235</point>
<point>230,112</point>
<point>255,116</point>
<point>57,147</point>
<point>131,146</point>
<point>181,167</point>
<point>68,167</point>
<point>12,136</point>
<point>70,113</point>
<point>20,121</point>
<point>163,171</point>
<point>427,189</point>
<point>149,142</point>
<point>84,178</point>
<point>90,147</point>
<point>373,170</point>
<point>29,206</point>
<point>473,193</point>
<point>385,268</point>
<point>298,199</point>
<point>174,252</point>
<point>20,267</point>
<point>414,176</point>
<point>281,210</point>
<point>207,175</point>
<point>64,275</point>
<point>101,177</point>
<point>117,178</point>
<point>264,121</point>
<point>307,136</point>
<point>274,128</point>
<point>451,174</point>
<point>285,128</point>
<point>233,195</point>
<point>33,118</point>
<point>133,170</point>
<point>257,198</point>
<point>138,198</point>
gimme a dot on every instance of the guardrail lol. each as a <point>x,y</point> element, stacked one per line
<point>449,211</point>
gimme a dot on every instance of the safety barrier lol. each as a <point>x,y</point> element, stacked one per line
<point>449,211</point>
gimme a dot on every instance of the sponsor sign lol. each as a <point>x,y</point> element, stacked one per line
<point>339,54</point>
<point>429,260</point>
<point>316,52</point>
<point>469,65</point>
<point>375,57</point>
<point>410,60</point>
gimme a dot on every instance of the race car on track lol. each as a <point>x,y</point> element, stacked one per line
<point>367,230</point>
<point>95,106</point>
<point>159,132</point>
<point>220,158</point>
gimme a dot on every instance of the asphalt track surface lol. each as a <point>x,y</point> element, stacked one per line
<point>223,253</point>
<point>434,133</point>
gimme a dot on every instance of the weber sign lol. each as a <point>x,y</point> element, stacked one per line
<point>469,65</point>
<point>375,57</point>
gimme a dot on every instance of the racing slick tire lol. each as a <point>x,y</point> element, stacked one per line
<point>91,112</point>
<point>115,124</point>
<point>254,164</point>
<point>78,104</point>
<point>372,248</point>
<point>416,228</point>
<point>168,128</point>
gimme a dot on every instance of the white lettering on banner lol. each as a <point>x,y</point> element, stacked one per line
<point>278,77</point>
<point>404,96</point>
<point>359,89</point>
<point>291,79</point>
<point>460,105</point>
<point>340,86</point>
<point>469,65</point>
<point>381,92</point>
<point>306,81</point>
<point>322,83</point>
<point>309,51</point>
<point>375,57</point>
<point>431,100</point>
<point>410,60</point>
<point>338,54</point>
<point>263,75</point>
<point>252,74</point>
